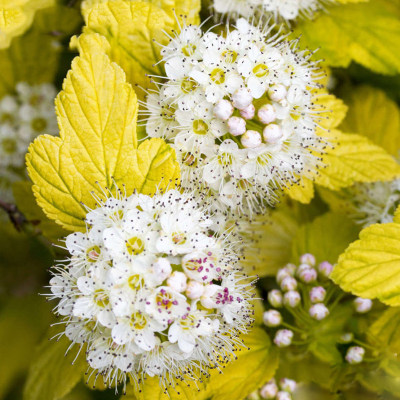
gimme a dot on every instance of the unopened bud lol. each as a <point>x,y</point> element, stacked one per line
<point>272,133</point>
<point>275,298</point>
<point>308,259</point>
<point>288,283</point>
<point>223,109</point>
<point>194,290</point>
<point>162,268</point>
<point>248,112</point>
<point>362,305</point>
<point>283,273</point>
<point>277,92</point>
<point>269,390</point>
<point>325,268</point>
<point>317,294</point>
<point>288,385</point>
<point>251,139</point>
<point>301,268</point>
<point>283,396</point>
<point>267,114</point>
<point>291,298</point>
<point>308,275</point>
<point>272,318</point>
<point>318,311</point>
<point>242,98</point>
<point>346,337</point>
<point>283,338</point>
<point>236,126</point>
<point>253,396</point>
<point>177,281</point>
<point>355,355</point>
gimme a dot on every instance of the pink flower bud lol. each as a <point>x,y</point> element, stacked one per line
<point>308,275</point>
<point>288,385</point>
<point>283,338</point>
<point>355,355</point>
<point>272,318</point>
<point>277,92</point>
<point>251,139</point>
<point>223,109</point>
<point>291,298</point>
<point>269,390</point>
<point>288,283</point>
<point>272,133</point>
<point>317,294</point>
<point>177,281</point>
<point>308,259</point>
<point>248,112</point>
<point>194,290</point>
<point>275,298</point>
<point>236,126</point>
<point>283,396</point>
<point>242,98</point>
<point>362,305</point>
<point>325,268</point>
<point>318,311</point>
<point>266,114</point>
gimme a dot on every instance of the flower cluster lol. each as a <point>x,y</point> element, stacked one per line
<point>281,390</point>
<point>151,291</point>
<point>308,297</point>
<point>286,10</point>
<point>23,116</point>
<point>239,111</point>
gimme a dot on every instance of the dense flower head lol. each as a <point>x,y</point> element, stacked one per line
<point>23,116</point>
<point>280,10</point>
<point>239,111</point>
<point>151,290</point>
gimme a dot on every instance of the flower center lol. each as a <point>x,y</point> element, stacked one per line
<point>225,159</point>
<point>189,159</point>
<point>218,76</point>
<point>229,56</point>
<point>134,246</point>
<point>6,117</point>
<point>138,321</point>
<point>92,254</point>
<point>134,281</point>
<point>39,124</point>
<point>188,84</point>
<point>200,127</point>
<point>165,300</point>
<point>101,298</point>
<point>189,49</point>
<point>260,70</point>
<point>179,238</point>
<point>35,99</point>
<point>9,145</point>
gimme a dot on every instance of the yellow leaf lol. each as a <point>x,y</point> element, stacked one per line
<point>254,367</point>
<point>367,33</point>
<point>97,112</point>
<point>135,31</point>
<point>396,217</point>
<point>370,267</point>
<point>373,114</point>
<point>354,159</point>
<point>302,192</point>
<point>16,16</point>
<point>331,110</point>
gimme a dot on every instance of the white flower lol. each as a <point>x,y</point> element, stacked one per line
<point>318,311</point>
<point>362,305</point>
<point>355,355</point>
<point>283,338</point>
<point>269,390</point>
<point>272,318</point>
<point>239,110</point>
<point>150,289</point>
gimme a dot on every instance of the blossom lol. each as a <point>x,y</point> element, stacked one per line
<point>239,111</point>
<point>150,289</point>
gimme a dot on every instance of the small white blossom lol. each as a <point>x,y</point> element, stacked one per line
<point>317,294</point>
<point>288,283</point>
<point>318,311</point>
<point>325,268</point>
<point>269,390</point>
<point>283,338</point>
<point>272,318</point>
<point>275,298</point>
<point>151,290</point>
<point>288,385</point>
<point>355,355</point>
<point>283,395</point>
<point>362,305</point>
<point>291,298</point>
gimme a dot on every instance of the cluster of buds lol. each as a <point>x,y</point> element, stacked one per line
<point>278,390</point>
<point>309,296</point>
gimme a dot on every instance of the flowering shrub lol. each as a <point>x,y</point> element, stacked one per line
<point>205,193</point>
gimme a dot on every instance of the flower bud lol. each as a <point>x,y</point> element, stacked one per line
<point>283,273</point>
<point>194,290</point>
<point>248,112</point>
<point>346,337</point>
<point>283,396</point>
<point>177,281</point>
<point>236,126</point>
<point>308,259</point>
<point>206,298</point>
<point>288,385</point>
<point>318,311</point>
<point>266,114</point>
<point>308,275</point>
<point>291,298</point>
<point>251,139</point>
<point>275,298</point>
<point>269,390</point>
<point>272,133</point>
<point>242,98</point>
<point>317,294</point>
<point>301,268</point>
<point>325,268</point>
<point>362,305</point>
<point>277,92</point>
<point>223,109</point>
<point>355,355</point>
<point>291,268</point>
<point>288,283</point>
<point>283,338</point>
<point>253,396</point>
<point>272,318</point>
<point>162,269</point>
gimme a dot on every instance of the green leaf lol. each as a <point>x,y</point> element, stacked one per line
<point>97,147</point>
<point>370,267</point>
<point>326,237</point>
<point>373,114</point>
<point>22,323</point>
<point>367,33</point>
<point>54,373</point>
